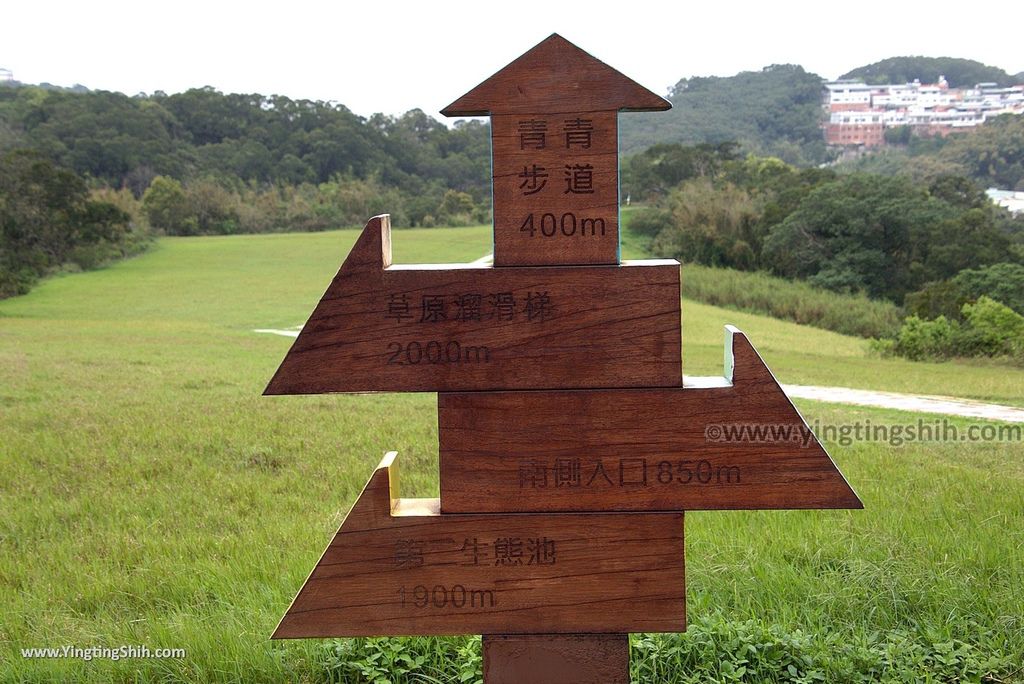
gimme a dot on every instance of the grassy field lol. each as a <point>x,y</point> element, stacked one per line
<point>789,300</point>
<point>150,496</point>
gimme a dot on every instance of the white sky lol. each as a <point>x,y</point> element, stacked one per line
<point>391,56</point>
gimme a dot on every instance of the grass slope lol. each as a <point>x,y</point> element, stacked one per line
<point>149,495</point>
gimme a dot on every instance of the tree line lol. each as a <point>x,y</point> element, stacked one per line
<point>909,226</point>
<point>959,73</point>
<point>86,176</point>
<point>236,139</point>
<point>775,111</point>
<point>935,246</point>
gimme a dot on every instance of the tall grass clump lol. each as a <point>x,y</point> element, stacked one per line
<point>795,301</point>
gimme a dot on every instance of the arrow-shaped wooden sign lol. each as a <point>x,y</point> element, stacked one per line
<point>381,328</point>
<point>720,443</point>
<point>569,443</point>
<point>554,132</point>
<point>398,567</point>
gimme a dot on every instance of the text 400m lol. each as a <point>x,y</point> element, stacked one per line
<point>435,352</point>
<point>567,225</point>
<point>439,596</point>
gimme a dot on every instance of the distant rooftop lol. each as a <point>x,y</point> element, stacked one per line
<point>1014,201</point>
<point>849,85</point>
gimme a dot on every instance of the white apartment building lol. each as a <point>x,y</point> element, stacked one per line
<point>859,112</point>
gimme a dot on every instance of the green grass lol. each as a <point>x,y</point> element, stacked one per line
<point>149,494</point>
<point>808,356</point>
<point>790,300</point>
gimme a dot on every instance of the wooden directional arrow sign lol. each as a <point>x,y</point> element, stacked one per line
<point>433,328</point>
<point>554,131</point>
<point>398,567</point>
<point>735,442</point>
<point>569,443</point>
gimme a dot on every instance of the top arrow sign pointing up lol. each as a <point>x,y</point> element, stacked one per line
<point>554,131</point>
<point>555,77</point>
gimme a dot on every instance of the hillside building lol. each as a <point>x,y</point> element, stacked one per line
<point>1008,199</point>
<point>859,113</point>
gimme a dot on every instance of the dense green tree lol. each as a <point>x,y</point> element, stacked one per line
<point>167,208</point>
<point>959,191</point>
<point>897,135</point>
<point>774,111</point>
<point>959,73</point>
<point>1003,282</point>
<point>201,133</point>
<point>884,236</point>
<point>983,328</point>
<point>457,208</point>
<point>660,168</point>
<point>47,219</point>
<point>993,154</point>
<point>100,134</point>
<point>712,224</point>
<point>721,214</point>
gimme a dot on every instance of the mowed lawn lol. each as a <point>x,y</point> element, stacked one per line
<point>149,495</point>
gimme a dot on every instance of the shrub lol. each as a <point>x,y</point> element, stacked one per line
<point>942,298</point>
<point>711,225</point>
<point>920,340</point>
<point>166,206</point>
<point>649,221</point>
<point>993,329</point>
<point>989,328</point>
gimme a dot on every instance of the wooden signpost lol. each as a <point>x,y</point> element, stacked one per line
<point>570,444</point>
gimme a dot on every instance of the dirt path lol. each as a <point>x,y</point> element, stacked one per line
<point>287,332</point>
<point>950,406</point>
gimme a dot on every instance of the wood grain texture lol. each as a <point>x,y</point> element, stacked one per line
<point>556,659</point>
<point>735,443</point>
<point>554,141</point>
<point>556,76</point>
<point>380,327</point>
<point>398,567</point>
<point>556,188</point>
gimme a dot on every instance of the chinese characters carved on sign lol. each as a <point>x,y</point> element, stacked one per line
<point>624,472</point>
<point>577,133</point>
<point>577,176</point>
<point>505,551</point>
<point>555,188</point>
<point>532,307</point>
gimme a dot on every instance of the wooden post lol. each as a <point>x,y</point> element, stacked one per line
<point>556,659</point>
<point>554,129</point>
